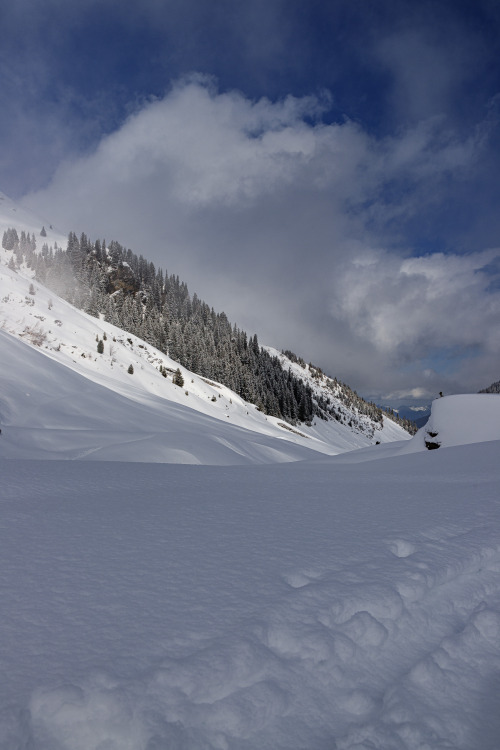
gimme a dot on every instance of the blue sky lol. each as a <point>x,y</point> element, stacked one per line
<point>288,158</point>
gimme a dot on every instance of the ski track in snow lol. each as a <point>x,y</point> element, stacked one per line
<point>288,608</point>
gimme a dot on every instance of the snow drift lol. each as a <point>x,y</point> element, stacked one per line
<point>460,420</point>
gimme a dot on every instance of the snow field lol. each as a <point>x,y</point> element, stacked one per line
<point>234,608</point>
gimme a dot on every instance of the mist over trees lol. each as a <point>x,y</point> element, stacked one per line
<point>493,388</point>
<point>129,292</point>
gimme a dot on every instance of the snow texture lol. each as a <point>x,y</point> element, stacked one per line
<point>459,420</point>
<point>306,605</point>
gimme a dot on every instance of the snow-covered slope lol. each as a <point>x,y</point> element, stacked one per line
<point>60,398</point>
<point>15,216</point>
<point>83,403</point>
<point>48,410</point>
<point>344,406</point>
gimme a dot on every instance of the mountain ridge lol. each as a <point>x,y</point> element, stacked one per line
<point>128,291</point>
<point>190,416</point>
<point>101,351</point>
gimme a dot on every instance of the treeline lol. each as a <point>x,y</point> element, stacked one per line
<point>148,302</point>
<point>132,294</point>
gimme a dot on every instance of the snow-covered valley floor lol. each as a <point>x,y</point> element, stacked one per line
<point>310,605</point>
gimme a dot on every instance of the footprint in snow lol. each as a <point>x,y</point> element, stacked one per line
<point>402,548</point>
<point>298,579</point>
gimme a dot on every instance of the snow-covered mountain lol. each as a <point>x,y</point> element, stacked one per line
<point>338,400</point>
<point>104,371</point>
<point>50,351</point>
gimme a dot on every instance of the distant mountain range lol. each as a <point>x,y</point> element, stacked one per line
<point>417,414</point>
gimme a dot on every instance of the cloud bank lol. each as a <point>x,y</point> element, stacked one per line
<point>299,229</point>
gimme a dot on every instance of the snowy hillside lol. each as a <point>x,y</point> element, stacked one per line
<point>14,215</point>
<point>340,402</point>
<point>153,418</point>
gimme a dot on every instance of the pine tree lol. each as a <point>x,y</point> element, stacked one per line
<point>10,239</point>
<point>177,378</point>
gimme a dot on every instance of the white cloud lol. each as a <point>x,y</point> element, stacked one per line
<point>276,217</point>
<point>418,304</point>
<point>205,149</point>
